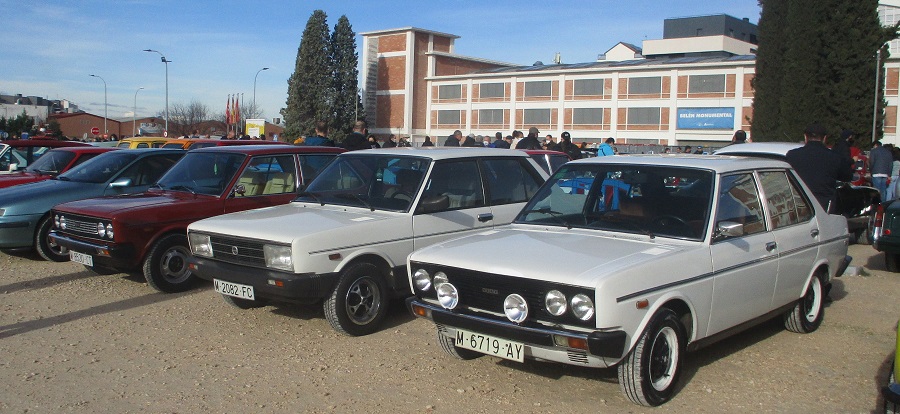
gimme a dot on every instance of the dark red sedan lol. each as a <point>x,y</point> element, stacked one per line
<point>51,164</point>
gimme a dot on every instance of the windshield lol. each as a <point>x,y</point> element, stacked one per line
<point>174,145</point>
<point>100,169</point>
<point>643,199</point>
<point>202,173</point>
<point>51,163</point>
<point>387,182</point>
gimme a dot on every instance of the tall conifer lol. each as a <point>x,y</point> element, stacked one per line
<point>308,86</point>
<point>769,70</point>
<point>344,86</point>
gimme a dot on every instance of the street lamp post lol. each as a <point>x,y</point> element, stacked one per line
<point>254,87</point>
<point>164,60</point>
<point>134,114</point>
<point>105,106</point>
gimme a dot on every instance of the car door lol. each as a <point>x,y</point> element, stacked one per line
<point>458,184</point>
<point>265,181</point>
<point>744,267</point>
<point>795,230</point>
<point>510,182</point>
<point>142,173</point>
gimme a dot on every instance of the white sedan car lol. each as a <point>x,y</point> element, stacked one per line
<point>630,261</point>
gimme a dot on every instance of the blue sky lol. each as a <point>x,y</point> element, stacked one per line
<point>49,49</point>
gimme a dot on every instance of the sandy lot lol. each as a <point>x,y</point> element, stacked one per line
<point>73,341</point>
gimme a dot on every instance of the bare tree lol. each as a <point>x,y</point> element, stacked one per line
<point>185,118</point>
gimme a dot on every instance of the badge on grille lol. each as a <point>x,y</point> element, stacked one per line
<point>234,250</point>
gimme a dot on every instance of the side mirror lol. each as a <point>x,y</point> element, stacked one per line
<point>121,182</point>
<point>725,229</point>
<point>433,204</point>
<point>239,190</point>
<point>13,167</point>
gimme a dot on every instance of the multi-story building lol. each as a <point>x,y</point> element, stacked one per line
<point>693,87</point>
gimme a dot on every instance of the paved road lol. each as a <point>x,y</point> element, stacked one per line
<point>72,341</point>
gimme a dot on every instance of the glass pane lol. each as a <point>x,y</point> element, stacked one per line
<point>448,117</point>
<point>643,116</point>
<point>706,83</point>
<point>490,116</point>
<point>449,91</point>
<point>779,198</point>
<point>541,88</point>
<point>588,87</point>
<point>739,203</point>
<point>492,90</point>
<point>652,85</point>
<point>537,116</point>
<point>587,116</point>
<point>509,182</point>
<point>459,181</point>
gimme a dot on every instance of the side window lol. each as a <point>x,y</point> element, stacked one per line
<point>5,161</point>
<point>312,165</point>
<point>786,204</point>
<point>83,158</point>
<point>148,170</point>
<point>509,181</point>
<point>460,181</point>
<point>269,175</point>
<point>739,203</point>
<point>142,145</point>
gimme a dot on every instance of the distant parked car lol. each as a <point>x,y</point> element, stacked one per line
<point>641,271</point>
<point>147,231</point>
<point>344,241</point>
<point>18,154</point>
<point>51,164</point>
<point>142,142</point>
<point>195,143</point>
<point>25,219</point>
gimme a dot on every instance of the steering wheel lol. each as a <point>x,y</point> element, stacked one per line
<point>670,222</point>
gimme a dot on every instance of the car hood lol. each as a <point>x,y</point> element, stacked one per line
<point>295,221</point>
<point>21,178</point>
<point>574,257</point>
<point>140,207</point>
<point>40,197</point>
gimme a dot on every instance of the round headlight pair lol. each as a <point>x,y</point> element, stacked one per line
<point>556,304</point>
<point>423,281</point>
<point>62,222</point>
<point>105,230</point>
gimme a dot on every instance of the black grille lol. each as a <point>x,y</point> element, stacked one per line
<point>248,252</point>
<point>81,226</point>
<point>487,291</point>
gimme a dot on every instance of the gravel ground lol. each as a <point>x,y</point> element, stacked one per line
<point>73,341</point>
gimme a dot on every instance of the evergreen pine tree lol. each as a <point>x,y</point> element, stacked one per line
<point>769,70</point>
<point>308,86</point>
<point>344,86</point>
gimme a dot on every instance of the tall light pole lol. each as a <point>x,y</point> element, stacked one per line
<point>164,60</point>
<point>105,106</point>
<point>254,87</point>
<point>134,113</point>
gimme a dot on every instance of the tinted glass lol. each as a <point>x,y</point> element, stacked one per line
<point>312,165</point>
<point>706,83</point>
<point>449,91</point>
<point>149,169</point>
<point>588,87</point>
<point>785,202</point>
<point>202,173</point>
<point>509,181</point>
<point>538,88</point>
<point>51,163</point>
<point>739,203</point>
<point>492,90</point>
<point>650,85</point>
<point>101,168</point>
<point>459,181</point>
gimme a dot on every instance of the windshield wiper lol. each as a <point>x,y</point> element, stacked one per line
<point>63,178</point>
<point>182,187</point>
<point>348,195</point>
<point>313,195</point>
<point>555,214</point>
<point>631,224</point>
<point>157,185</point>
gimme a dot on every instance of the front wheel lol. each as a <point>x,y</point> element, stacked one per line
<point>807,314</point>
<point>448,344</point>
<point>648,374</point>
<point>47,249</point>
<point>358,303</point>
<point>166,267</point>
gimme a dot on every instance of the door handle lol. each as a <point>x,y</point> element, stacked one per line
<point>814,232</point>
<point>485,217</point>
<point>771,246</point>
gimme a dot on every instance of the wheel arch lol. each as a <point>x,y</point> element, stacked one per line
<point>676,303</point>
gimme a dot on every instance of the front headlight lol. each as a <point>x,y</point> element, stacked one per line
<point>2,212</point>
<point>109,231</point>
<point>55,220</point>
<point>516,308</point>
<point>422,280</point>
<point>200,245</point>
<point>62,222</point>
<point>582,307</point>
<point>101,230</point>
<point>278,257</point>
<point>447,295</point>
<point>555,301</point>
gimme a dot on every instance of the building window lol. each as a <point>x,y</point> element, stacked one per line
<point>643,116</point>
<point>645,86</point>
<point>450,92</point>
<point>537,117</point>
<point>706,84</point>
<point>541,88</point>
<point>587,116</point>
<point>492,90</point>
<point>490,116</point>
<point>448,117</point>
<point>588,87</point>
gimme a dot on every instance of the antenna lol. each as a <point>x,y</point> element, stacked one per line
<point>557,59</point>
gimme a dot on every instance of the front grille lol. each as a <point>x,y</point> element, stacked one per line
<point>578,357</point>
<point>81,226</point>
<point>238,251</point>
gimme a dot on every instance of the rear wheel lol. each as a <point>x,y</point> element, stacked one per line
<point>47,249</point>
<point>807,314</point>
<point>166,267</point>
<point>649,373</point>
<point>358,303</point>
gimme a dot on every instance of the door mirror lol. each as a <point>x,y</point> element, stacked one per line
<point>121,182</point>
<point>725,229</point>
<point>433,204</point>
<point>13,167</point>
<point>239,190</point>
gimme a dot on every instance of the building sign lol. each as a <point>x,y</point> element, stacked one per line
<point>256,127</point>
<point>152,129</point>
<point>705,118</point>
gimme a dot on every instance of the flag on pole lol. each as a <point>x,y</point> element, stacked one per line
<point>237,110</point>
<point>228,111</point>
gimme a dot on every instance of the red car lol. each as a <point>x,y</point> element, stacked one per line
<point>51,164</point>
<point>18,154</point>
<point>148,231</point>
<point>195,143</point>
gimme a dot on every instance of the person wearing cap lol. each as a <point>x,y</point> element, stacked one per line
<point>818,166</point>
<point>566,145</point>
<point>530,142</point>
<point>699,150</point>
<point>454,140</point>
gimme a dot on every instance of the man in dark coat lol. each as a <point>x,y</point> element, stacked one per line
<point>468,142</point>
<point>566,145</point>
<point>818,166</point>
<point>530,142</point>
<point>499,142</point>
<point>454,140</point>
<point>357,139</point>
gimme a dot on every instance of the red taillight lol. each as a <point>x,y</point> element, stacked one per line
<point>879,216</point>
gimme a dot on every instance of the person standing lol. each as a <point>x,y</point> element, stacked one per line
<point>552,145</point>
<point>499,142</point>
<point>844,147</point>
<point>740,137</point>
<point>880,160</point>
<point>321,136</point>
<point>566,145</point>
<point>606,148</point>
<point>819,167</point>
<point>389,142</point>
<point>895,174</point>
<point>469,141</point>
<point>454,140</point>
<point>427,142</point>
<point>530,142</point>
<point>357,140</point>
<point>404,142</point>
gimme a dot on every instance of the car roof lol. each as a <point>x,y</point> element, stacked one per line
<point>271,149</point>
<point>441,153</point>
<point>717,163</point>
<point>44,143</point>
<point>90,149</point>
<point>141,151</point>
<point>144,139</point>
<point>537,152</point>
<point>759,148</point>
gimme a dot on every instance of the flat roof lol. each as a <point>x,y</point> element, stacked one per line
<point>440,153</point>
<point>408,29</point>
